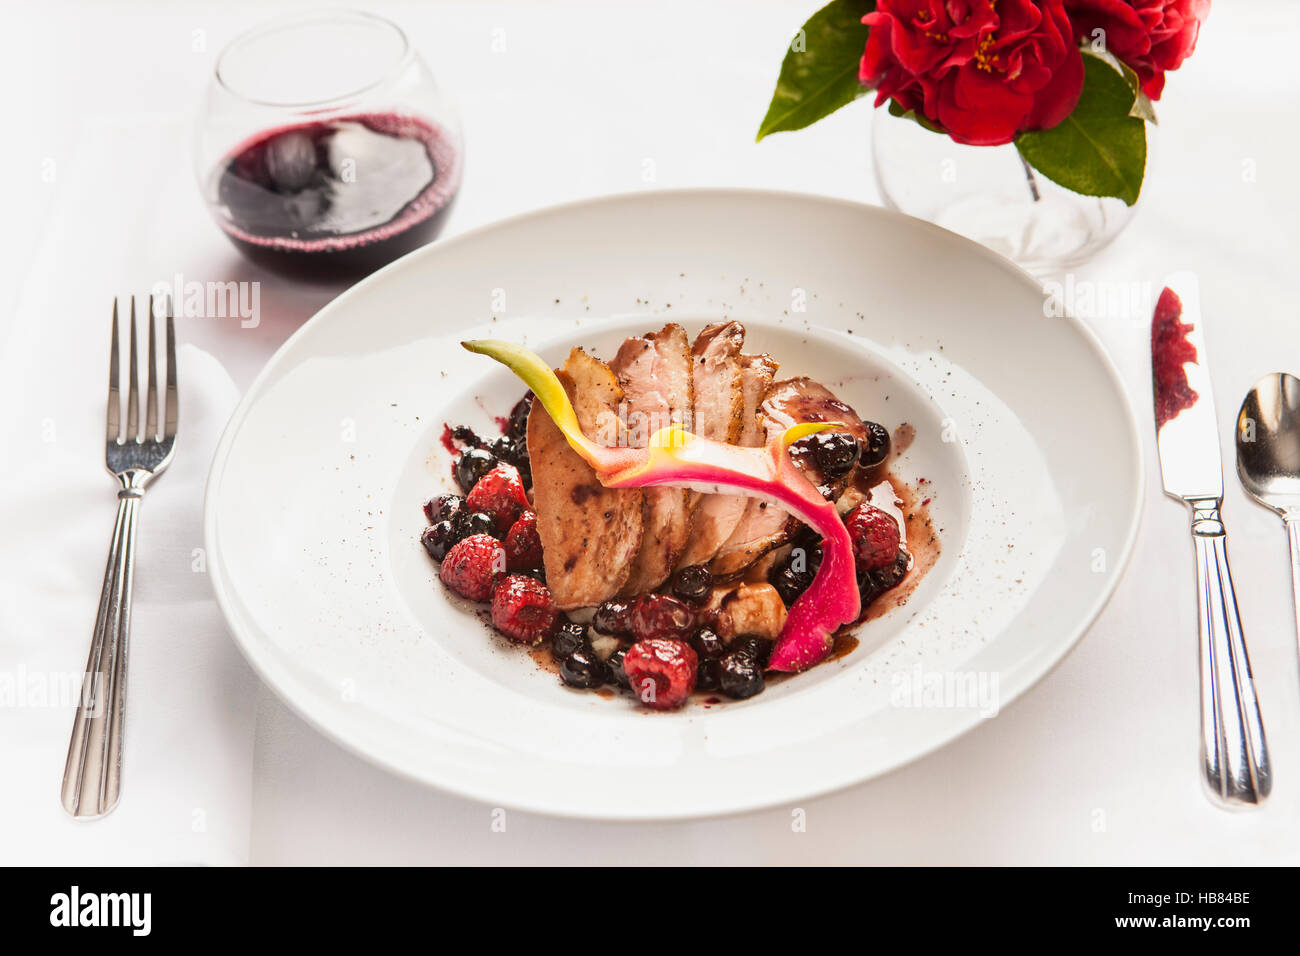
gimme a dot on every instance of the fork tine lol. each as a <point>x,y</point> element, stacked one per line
<point>170,412</point>
<point>151,396</point>
<point>133,386</point>
<point>114,386</point>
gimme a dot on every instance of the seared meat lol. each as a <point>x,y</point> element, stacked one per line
<point>590,534</point>
<point>797,400</point>
<point>719,402</point>
<point>654,371</point>
<point>716,375</point>
<point>762,525</point>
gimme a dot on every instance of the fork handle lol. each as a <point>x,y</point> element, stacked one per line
<point>92,774</point>
<point>1234,753</point>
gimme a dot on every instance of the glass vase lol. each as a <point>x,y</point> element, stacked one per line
<point>990,194</point>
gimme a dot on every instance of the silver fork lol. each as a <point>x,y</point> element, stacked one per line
<point>92,775</point>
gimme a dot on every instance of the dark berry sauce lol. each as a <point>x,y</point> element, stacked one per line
<point>340,198</point>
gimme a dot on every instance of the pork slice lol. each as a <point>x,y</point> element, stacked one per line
<point>590,534</point>
<point>654,371</point>
<point>762,526</point>
<point>719,404</point>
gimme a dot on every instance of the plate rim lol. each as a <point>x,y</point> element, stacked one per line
<point>223,593</point>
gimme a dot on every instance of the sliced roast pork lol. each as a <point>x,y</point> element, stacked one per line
<point>719,401</point>
<point>762,525</point>
<point>654,371</point>
<point>590,534</point>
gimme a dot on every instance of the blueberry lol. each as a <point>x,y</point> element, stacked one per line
<point>537,574</point>
<point>788,584</point>
<point>875,449</point>
<point>759,648</point>
<point>707,644</point>
<point>568,638</point>
<point>467,436</point>
<point>438,539</point>
<point>474,522</point>
<point>614,665</point>
<point>708,675</point>
<point>442,507</point>
<point>518,424</point>
<point>693,584</point>
<point>740,676</point>
<point>612,618</point>
<point>872,584</point>
<point>474,464</point>
<point>835,453</point>
<point>514,453</point>
<point>582,669</point>
<point>792,574</point>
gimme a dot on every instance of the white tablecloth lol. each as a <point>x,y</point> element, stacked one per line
<point>1097,764</point>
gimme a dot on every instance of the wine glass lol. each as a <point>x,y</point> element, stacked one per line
<point>325,149</point>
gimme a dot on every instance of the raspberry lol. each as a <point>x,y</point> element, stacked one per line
<point>523,544</point>
<point>658,615</point>
<point>523,609</point>
<point>661,672</point>
<point>472,565</point>
<point>499,493</point>
<point>874,535</point>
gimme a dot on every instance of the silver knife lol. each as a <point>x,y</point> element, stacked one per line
<point>1233,751</point>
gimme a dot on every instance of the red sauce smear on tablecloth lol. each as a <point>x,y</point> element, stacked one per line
<point>1170,351</point>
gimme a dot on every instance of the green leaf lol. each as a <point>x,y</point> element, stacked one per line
<point>896,110</point>
<point>1142,106</point>
<point>820,70</point>
<point>1100,149</point>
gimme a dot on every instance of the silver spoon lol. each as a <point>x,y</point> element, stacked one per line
<point>1268,457</point>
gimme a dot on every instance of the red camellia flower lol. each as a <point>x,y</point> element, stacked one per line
<point>984,70</point>
<point>1151,36</point>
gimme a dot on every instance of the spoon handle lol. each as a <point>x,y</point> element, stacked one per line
<point>1233,751</point>
<point>1292,519</point>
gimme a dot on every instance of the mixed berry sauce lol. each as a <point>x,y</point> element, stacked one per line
<point>1170,351</point>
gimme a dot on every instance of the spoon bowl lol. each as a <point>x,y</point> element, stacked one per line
<point>1268,443</point>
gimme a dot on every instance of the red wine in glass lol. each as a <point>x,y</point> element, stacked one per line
<point>337,199</point>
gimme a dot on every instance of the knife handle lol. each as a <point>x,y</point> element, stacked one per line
<point>1234,753</point>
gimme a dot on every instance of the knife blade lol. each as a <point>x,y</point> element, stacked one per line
<point>1234,755</point>
<point>1187,431</point>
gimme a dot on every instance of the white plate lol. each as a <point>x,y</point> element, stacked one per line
<point>1023,433</point>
